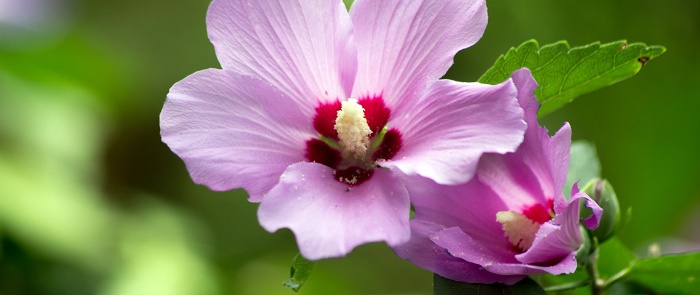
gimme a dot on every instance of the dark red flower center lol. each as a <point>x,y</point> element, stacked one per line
<point>520,228</point>
<point>326,150</point>
<point>539,213</point>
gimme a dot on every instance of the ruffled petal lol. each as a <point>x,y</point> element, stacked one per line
<point>558,151</point>
<point>564,265</point>
<point>463,246</point>
<point>423,252</point>
<point>446,132</point>
<point>512,180</point>
<point>303,47</point>
<point>552,244</point>
<point>526,85</point>
<point>233,131</point>
<point>592,222</point>
<point>536,172</point>
<point>548,158</point>
<point>561,236</point>
<point>497,260</point>
<point>404,45</point>
<point>329,219</point>
<point>470,206</point>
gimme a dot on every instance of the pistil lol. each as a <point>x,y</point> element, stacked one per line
<point>519,229</point>
<point>353,130</point>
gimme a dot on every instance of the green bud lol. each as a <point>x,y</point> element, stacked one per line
<point>585,250</point>
<point>602,193</point>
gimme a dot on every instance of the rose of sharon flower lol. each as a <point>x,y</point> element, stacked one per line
<point>316,109</point>
<point>511,220</point>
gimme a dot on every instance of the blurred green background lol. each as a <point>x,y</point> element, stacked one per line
<point>91,201</point>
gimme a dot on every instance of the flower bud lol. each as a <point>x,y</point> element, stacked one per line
<point>585,250</point>
<point>602,193</point>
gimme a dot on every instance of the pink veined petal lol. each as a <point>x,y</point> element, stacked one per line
<point>532,174</point>
<point>526,85</point>
<point>565,265</point>
<point>446,132</point>
<point>552,243</point>
<point>559,237</point>
<point>559,149</point>
<point>471,206</point>
<point>548,158</point>
<point>403,46</point>
<point>423,252</point>
<point>512,180</point>
<point>233,131</point>
<point>496,260</point>
<point>593,221</point>
<point>463,246</point>
<point>303,47</point>
<point>329,220</point>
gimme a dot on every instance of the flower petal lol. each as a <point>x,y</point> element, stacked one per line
<point>552,243</point>
<point>548,158</point>
<point>565,265</point>
<point>446,132</point>
<point>329,219</point>
<point>593,221</point>
<point>303,47</point>
<point>463,246</point>
<point>471,206</point>
<point>536,172</point>
<point>404,45</point>
<point>233,131</point>
<point>496,259</point>
<point>513,180</point>
<point>423,252</point>
<point>561,236</point>
<point>558,151</point>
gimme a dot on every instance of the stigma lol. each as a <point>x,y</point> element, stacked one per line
<point>353,130</point>
<point>519,229</point>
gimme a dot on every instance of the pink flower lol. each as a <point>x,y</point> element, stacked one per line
<point>511,220</point>
<point>316,110</point>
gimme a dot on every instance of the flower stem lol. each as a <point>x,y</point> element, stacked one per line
<point>597,284</point>
<point>616,277</point>
<point>567,286</point>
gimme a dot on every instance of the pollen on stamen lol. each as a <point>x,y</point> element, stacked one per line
<point>519,229</point>
<point>353,130</point>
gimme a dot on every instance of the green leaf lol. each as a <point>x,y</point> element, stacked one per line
<point>443,286</point>
<point>564,73</point>
<point>301,270</point>
<point>348,3</point>
<point>576,283</point>
<point>613,257</point>
<point>669,274</point>
<point>584,165</point>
